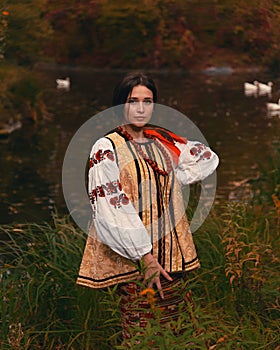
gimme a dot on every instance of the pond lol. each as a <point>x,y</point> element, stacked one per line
<point>237,127</point>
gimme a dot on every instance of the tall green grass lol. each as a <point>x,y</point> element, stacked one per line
<point>236,291</point>
<point>41,307</point>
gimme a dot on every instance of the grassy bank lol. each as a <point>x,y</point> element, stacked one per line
<point>21,95</point>
<point>235,293</point>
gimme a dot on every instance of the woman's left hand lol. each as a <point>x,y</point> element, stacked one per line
<point>153,270</point>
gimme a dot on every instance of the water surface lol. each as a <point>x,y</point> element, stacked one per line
<point>236,126</point>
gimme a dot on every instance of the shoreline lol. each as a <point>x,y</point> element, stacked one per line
<point>209,70</point>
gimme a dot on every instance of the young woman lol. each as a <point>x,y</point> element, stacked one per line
<point>135,177</point>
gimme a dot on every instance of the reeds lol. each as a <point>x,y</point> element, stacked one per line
<point>41,307</point>
<point>236,292</point>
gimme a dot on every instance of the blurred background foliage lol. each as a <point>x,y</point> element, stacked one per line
<point>152,34</point>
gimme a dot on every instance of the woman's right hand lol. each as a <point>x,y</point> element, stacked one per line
<point>153,270</point>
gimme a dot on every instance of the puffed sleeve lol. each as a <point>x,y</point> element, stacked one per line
<point>116,221</point>
<point>196,162</point>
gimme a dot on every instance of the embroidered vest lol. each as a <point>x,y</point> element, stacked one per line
<point>159,203</point>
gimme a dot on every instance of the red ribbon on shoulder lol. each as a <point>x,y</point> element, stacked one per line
<point>168,138</point>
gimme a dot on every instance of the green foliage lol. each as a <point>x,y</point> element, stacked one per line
<point>28,31</point>
<point>269,182</point>
<point>156,34</point>
<point>41,307</point>
<point>120,34</point>
<point>20,94</point>
<point>163,33</point>
<point>4,16</point>
<point>250,26</point>
<point>250,255</point>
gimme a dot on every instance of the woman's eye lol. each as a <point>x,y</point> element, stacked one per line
<point>135,102</point>
<point>148,102</point>
<point>132,102</point>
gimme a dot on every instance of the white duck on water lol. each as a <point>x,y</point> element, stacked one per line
<point>63,83</point>
<point>273,106</point>
<point>265,88</point>
<point>251,87</point>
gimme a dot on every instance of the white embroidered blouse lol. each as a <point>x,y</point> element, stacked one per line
<point>116,220</point>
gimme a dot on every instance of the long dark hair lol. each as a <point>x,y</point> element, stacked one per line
<point>126,85</point>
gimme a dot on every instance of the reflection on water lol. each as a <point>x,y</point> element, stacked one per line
<point>236,126</point>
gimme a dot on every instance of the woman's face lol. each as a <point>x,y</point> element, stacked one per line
<point>139,106</point>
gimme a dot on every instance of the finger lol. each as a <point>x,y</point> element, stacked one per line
<point>150,278</point>
<point>152,281</point>
<point>159,288</point>
<point>166,275</point>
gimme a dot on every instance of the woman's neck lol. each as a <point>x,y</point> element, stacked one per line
<point>136,132</point>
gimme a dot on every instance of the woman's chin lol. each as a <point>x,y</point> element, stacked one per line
<point>138,124</point>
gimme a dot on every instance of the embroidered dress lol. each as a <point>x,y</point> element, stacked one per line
<point>136,210</point>
<point>138,307</point>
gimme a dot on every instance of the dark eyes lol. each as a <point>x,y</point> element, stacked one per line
<point>146,102</point>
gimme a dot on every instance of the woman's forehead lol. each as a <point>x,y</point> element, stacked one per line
<point>141,91</point>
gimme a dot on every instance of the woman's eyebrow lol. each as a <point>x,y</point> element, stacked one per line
<point>136,98</point>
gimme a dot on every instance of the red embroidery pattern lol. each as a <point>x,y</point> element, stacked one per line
<point>200,150</point>
<point>109,188</point>
<point>101,155</point>
<point>118,200</point>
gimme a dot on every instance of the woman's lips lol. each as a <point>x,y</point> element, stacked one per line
<point>140,118</point>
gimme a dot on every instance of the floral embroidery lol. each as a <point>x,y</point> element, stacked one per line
<point>118,200</point>
<point>197,149</point>
<point>200,150</point>
<point>101,155</point>
<point>96,192</point>
<point>206,155</point>
<point>109,188</point>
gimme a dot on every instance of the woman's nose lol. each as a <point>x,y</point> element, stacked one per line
<point>140,107</point>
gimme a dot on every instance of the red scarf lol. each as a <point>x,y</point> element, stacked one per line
<point>168,138</point>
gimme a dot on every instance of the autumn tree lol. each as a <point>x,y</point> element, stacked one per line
<point>4,20</point>
<point>28,31</point>
<point>120,34</point>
